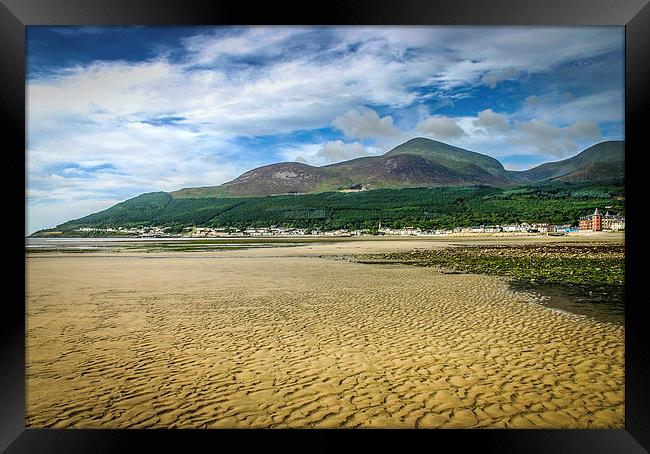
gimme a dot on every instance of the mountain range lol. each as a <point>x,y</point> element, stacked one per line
<point>420,182</point>
<point>419,162</point>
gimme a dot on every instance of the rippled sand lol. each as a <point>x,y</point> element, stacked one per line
<point>284,338</point>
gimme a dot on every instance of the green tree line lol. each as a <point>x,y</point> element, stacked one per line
<point>427,208</point>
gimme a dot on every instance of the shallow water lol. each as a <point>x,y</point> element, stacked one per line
<point>602,303</point>
<point>160,244</point>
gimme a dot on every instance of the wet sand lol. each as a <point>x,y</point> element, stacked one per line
<point>285,338</point>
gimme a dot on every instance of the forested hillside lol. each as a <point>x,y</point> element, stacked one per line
<point>441,207</point>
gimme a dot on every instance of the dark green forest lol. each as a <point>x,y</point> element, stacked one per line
<point>427,208</point>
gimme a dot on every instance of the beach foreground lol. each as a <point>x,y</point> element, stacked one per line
<point>287,337</point>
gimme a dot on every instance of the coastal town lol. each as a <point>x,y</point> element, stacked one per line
<point>595,222</point>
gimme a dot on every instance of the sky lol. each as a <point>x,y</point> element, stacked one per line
<point>114,112</point>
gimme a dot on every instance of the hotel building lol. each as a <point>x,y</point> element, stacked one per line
<point>597,222</point>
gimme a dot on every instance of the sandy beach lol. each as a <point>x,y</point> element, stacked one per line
<point>288,337</point>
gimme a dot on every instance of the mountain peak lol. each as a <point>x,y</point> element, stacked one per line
<point>600,161</point>
<point>418,162</point>
<point>423,140</point>
<point>456,158</point>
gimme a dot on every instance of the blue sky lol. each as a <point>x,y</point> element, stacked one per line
<point>113,112</point>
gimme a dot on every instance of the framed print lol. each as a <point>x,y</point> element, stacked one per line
<point>421,220</point>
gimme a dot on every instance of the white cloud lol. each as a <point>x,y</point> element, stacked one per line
<point>337,150</point>
<point>492,121</point>
<point>584,130</point>
<point>493,77</point>
<point>500,135</point>
<point>565,108</point>
<point>210,47</point>
<point>104,91</point>
<point>284,96</point>
<point>517,50</point>
<point>327,153</point>
<point>551,140</point>
<point>532,100</point>
<point>366,124</point>
<point>440,127</point>
<point>301,90</point>
<point>598,107</point>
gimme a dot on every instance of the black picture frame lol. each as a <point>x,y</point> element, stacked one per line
<point>633,14</point>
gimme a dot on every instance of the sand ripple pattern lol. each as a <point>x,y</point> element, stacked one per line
<point>135,342</point>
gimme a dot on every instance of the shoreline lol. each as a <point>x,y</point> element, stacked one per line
<point>103,244</point>
<point>578,234</point>
<point>582,278</point>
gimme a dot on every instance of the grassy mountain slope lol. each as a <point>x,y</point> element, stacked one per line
<point>600,162</point>
<point>416,163</point>
<point>452,157</point>
<point>421,182</point>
